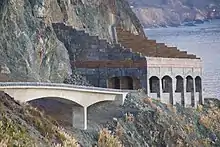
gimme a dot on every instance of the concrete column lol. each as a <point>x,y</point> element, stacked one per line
<point>79,117</point>
<point>144,82</point>
<point>194,93</point>
<point>184,91</point>
<point>148,87</point>
<point>173,90</point>
<point>161,87</point>
<point>110,83</point>
<point>73,118</point>
<point>201,93</point>
<point>85,118</point>
<point>122,83</point>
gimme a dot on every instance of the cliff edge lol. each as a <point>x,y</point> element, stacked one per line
<point>29,47</point>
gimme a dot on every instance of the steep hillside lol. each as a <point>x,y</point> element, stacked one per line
<point>29,47</point>
<point>148,123</point>
<point>23,125</point>
<point>154,13</point>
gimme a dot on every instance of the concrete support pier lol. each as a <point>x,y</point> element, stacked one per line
<point>78,117</point>
<point>85,118</point>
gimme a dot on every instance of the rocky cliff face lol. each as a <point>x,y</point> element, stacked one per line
<point>154,13</point>
<point>29,47</point>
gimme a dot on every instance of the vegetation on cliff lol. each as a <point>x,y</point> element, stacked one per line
<point>23,125</point>
<point>146,122</point>
<point>157,124</point>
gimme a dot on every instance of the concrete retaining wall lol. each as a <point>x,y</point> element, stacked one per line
<point>173,67</point>
<point>165,98</point>
<point>197,98</point>
<point>153,95</point>
<point>177,98</point>
<point>99,76</point>
<point>173,62</point>
<point>188,101</point>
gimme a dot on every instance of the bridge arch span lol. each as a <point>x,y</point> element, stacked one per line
<point>84,99</point>
<point>84,96</point>
<point>58,99</point>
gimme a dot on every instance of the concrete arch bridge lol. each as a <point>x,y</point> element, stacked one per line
<point>82,95</point>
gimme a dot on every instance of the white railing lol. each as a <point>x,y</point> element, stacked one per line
<point>30,84</point>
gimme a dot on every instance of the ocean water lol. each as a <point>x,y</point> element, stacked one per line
<point>202,40</point>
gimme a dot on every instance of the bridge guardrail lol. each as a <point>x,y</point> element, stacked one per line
<point>3,84</point>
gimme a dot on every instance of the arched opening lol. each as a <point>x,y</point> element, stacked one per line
<point>179,84</point>
<point>167,87</point>
<point>180,88</point>
<point>189,84</point>
<point>126,82</point>
<point>136,83</point>
<point>154,85</point>
<point>61,110</point>
<point>114,83</point>
<point>190,88</point>
<point>198,83</point>
<point>167,84</point>
<point>102,112</point>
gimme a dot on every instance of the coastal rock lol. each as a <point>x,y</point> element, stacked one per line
<point>29,46</point>
<point>77,79</point>
<point>4,69</point>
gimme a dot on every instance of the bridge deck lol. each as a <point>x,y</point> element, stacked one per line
<point>85,96</point>
<point>61,85</point>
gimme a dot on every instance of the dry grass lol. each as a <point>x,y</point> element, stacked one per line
<point>49,127</point>
<point>150,101</point>
<point>108,140</point>
<point>199,108</point>
<point>12,133</point>
<point>171,108</point>
<point>211,119</point>
<point>204,142</point>
<point>189,128</point>
<point>4,143</point>
<point>68,140</point>
<point>147,100</point>
<point>119,130</point>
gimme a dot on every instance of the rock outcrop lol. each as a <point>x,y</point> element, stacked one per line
<point>29,46</point>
